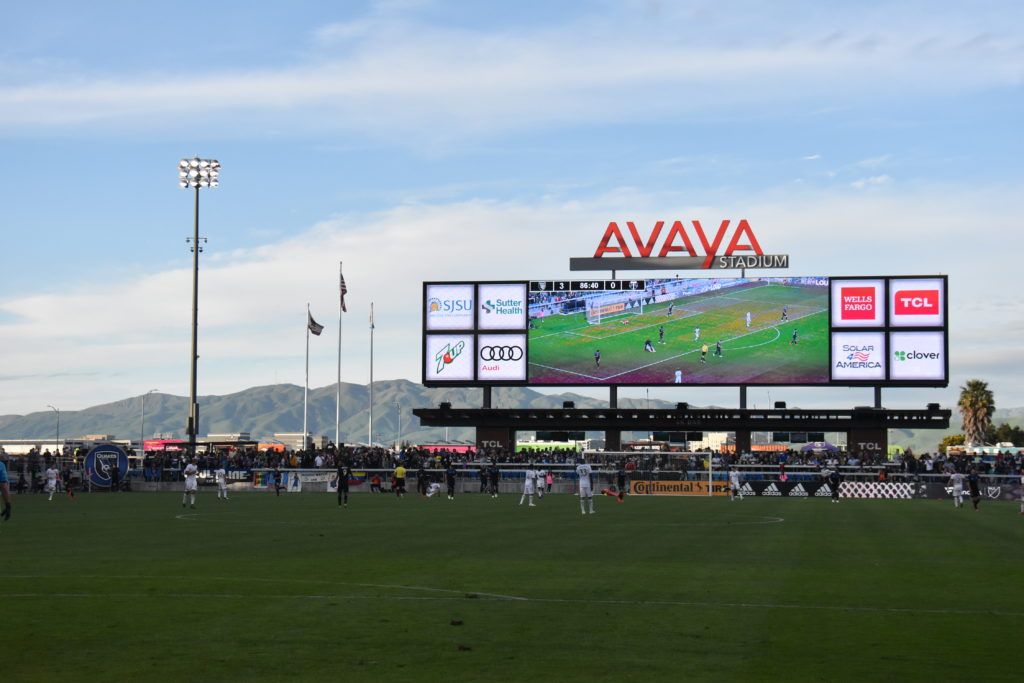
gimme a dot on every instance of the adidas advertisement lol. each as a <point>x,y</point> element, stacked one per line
<point>502,307</point>
<point>917,355</point>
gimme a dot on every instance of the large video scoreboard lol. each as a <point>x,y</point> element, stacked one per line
<point>799,331</point>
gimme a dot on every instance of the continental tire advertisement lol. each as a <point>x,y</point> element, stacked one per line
<point>819,489</point>
<point>677,488</point>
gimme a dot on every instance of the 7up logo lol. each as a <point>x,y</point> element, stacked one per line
<point>448,354</point>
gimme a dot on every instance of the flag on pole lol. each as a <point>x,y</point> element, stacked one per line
<point>344,291</point>
<point>314,327</point>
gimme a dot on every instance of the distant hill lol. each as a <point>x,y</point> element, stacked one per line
<point>264,411</point>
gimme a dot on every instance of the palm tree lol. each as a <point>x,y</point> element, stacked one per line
<point>976,406</point>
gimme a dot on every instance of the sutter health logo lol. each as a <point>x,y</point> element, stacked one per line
<point>503,306</point>
<point>917,302</point>
<point>858,303</point>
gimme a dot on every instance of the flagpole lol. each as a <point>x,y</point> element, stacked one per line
<point>337,403</point>
<point>305,393</point>
<point>371,374</point>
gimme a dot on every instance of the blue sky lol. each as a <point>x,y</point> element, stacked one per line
<point>419,140</point>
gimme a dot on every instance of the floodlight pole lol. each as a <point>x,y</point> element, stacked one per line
<point>195,173</point>
<point>193,405</point>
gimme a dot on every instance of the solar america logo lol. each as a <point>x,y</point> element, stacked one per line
<point>447,354</point>
<point>858,357</point>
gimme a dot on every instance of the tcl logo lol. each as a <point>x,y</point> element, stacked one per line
<point>858,303</point>
<point>917,302</point>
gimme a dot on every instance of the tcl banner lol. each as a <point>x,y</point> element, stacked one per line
<point>917,302</point>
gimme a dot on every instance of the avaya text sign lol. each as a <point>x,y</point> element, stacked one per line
<point>858,303</point>
<point>917,302</point>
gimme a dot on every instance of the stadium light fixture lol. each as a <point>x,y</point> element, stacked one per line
<point>196,173</point>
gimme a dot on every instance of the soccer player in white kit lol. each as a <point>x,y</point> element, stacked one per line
<point>541,482</point>
<point>51,481</point>
<point>734,484</point>
<point>222,482</point>
<point>433,489</point>
<point>191,473</point>
<point>748,318</point>
<point>956,480</point>
<point>529,486</point>
<point>583,471</point>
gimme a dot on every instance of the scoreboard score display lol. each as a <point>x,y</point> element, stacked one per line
<point>774,331</point>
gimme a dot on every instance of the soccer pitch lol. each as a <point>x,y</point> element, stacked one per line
<point>126,586</point>
<point>562,348</point>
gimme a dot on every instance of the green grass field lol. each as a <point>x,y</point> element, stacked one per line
<point>561,348</point>
<point>129,586</point>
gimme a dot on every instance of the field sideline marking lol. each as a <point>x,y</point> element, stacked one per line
<point>493,597</point>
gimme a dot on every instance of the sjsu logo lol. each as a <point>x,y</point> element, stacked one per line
<point>446,306</point>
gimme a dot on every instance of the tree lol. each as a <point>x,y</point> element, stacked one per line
<point>976,405</point>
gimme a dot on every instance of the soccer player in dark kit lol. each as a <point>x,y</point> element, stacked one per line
<point>494,477</point>
<point>449,477</point>
<point>834,480</point>
<point>342,476</point>
<point>973,487</point>
<point>421,480</point>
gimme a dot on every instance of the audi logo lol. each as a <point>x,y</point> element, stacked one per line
<point>501,352</point>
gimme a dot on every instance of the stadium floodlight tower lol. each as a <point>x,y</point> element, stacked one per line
<point>195,173</point>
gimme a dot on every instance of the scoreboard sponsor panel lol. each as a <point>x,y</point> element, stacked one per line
<point>798,331</point>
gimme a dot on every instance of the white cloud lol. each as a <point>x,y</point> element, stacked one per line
<point>811,157</point>
<point>125,337</point>
<point>397,77</point>
<point>873,180</point>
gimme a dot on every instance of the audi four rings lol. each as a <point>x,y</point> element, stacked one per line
<point>501,352</point>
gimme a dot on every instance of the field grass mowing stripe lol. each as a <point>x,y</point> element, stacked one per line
<point>491,597</point>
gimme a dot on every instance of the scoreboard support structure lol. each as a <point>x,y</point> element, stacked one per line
<point>866,426</point>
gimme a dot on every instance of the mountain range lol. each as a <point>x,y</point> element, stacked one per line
<point>267,410</point>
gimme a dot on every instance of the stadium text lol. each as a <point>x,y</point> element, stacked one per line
<point>677,239</point>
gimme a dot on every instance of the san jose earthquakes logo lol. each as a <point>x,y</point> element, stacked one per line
<point>101,460</point>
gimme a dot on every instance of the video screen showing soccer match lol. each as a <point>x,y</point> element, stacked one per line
<point>755,330</point>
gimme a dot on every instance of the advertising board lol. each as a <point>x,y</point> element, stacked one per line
<point>749,331</point>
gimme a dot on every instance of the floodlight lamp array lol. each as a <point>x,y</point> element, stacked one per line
<point>198,173</point>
